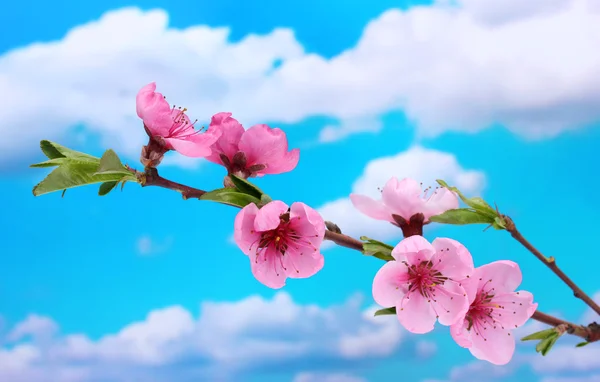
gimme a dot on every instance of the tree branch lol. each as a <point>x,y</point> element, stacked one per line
<point>550,263</point>
<point>590,333</point>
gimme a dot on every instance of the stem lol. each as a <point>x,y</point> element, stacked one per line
<point>590,333</point>
<point>550,263</point>
<point>151,178</point>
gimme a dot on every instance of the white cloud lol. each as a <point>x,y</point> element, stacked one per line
<point>320,377</point>
<point>587,378</point>
<point>422,164</point>
<point>426,349</point>
<point>531,67</point>
<point>227,338</point>
<point>35,326</point>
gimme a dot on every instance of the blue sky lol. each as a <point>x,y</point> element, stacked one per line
<point>144,285</point>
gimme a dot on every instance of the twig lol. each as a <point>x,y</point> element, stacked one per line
<point>590,333</point>
<point>550,263</point>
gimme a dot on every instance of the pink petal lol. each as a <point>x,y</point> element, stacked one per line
<point>450,303</point>
<point>460,334</point>
<point>413,249</point>
<point>497,346</point>
<point>268,269</point>
<point>403,197</point>
<point>416,314</point>
<point>301,265</point>
<point>244,234</point>
<point>195,146</point>
<point>439,202</point>
<point>267,146</point>
<point>372,208</point>
<point>307,222</point>
<point>268,217</point>
<point>518,308</point>
<point>154,110</point>
<point>452,259</point>
<point>230,131</point>
<point>390,284</point>
<point>504,276</point>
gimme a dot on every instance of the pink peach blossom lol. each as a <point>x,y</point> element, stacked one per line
<point>495,309</point>
<point>258,151</point>
<point>280,241</point>
<point>170,126</point>
<point>423,282</point>
<point>405,199</point>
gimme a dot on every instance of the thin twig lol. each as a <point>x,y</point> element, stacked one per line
<point>550,263</point>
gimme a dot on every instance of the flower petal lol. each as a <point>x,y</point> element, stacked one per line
<point>268,268</point>
<point>517,308</point>
<point>390,284</point>
<point>372,208</point>
<point>300,265</point>
<point>496,346</point>
<point>244,233</point>
<point>451,303</point>
<point>439,202</point>
<point>452,259</point>
<point>307,222</point>
<point>416,314</point>
<point>268,217</point>
<point>502,276</point>
<point>403,197</point>
<point>154,110</point>
<point>230,133</point>
<point>268,146</point>
<point>195,146</point>
<point>413,249</point>
<point>460,334</point>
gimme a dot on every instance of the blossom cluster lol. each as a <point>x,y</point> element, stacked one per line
<point>425,282</point>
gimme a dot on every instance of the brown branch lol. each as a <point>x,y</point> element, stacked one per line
<point>151,178</point>
<point>590,333</point>
<point>344,240</point>
<point>550,263</point>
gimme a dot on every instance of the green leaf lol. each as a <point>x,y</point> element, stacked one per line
<point>477,203</point>
<point>265,199</point>
<point>78,169</point>
<point>582,344</point>
<point>70,175</point>
<point>462,216</point>
<point>545,345</point>
<point>246,187</point>
<point>499,223</point>
<point>230,197</point>
<point>541,335</point>
<point>107,187</point>
<point>377,249</point>
<point>111,164</point>
<point>386,311</point>
<point>53,151</point>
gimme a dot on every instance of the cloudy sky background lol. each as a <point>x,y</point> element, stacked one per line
<point>500,98</point>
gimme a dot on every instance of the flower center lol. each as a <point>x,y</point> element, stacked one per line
<point>424,279</point>
<point>277,242</point>
<point>181,126</point>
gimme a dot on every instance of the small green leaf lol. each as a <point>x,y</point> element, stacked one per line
<point>545,345</point>
<point>246,187</point>
<point>461,216</point>
<point>71,175</point>
<point>541,335</point>
<point>477,203</point>
<point>50,163</point>
<point>230,197</point>
<point>386,311</point>
<point>265,199</point>
<point>377,249</point>
<point>54,150</point>
<point>107,187</point>
<point>582,344</point>
<point>111,164</point>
